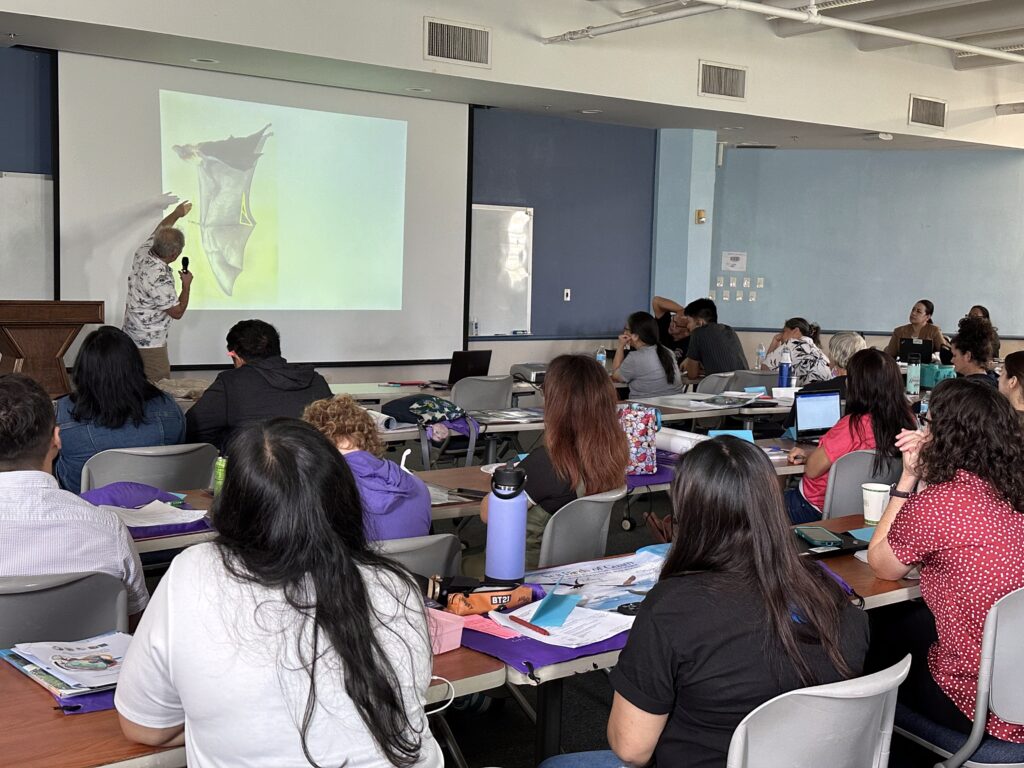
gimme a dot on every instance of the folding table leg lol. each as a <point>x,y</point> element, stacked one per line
<point>549,720</point>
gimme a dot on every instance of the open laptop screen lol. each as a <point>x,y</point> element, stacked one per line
<point>816,413</point>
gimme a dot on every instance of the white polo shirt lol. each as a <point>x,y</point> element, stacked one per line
<point>44,530</point>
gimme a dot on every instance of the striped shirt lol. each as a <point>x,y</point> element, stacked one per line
<point>44,530</point>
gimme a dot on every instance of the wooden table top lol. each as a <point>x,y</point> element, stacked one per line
<point>876,592</point>
<point>34,735</point>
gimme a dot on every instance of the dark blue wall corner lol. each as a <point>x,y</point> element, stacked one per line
<point>592,190</point>
<point>26,113</point>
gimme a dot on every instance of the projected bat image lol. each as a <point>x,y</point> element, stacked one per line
<point>226,169</point>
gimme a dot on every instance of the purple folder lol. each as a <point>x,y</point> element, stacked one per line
<point>666,471</point>
<point>85,702</point>
<point>132,495</point>
<point>526,654</point>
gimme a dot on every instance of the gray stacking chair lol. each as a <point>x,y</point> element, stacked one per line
<point>480,393</point>
<point>842,724</point>
<point>68,606</point>
<point>742,379</point>
<point>1000,691</point>
<point>843,493</point>
<point>439,554</point>
<point>473,393</point>
<point>579,530</point>
<point>167,467</point>
<point>715,384</point>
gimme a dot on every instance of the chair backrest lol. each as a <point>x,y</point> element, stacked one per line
<point>1006,618</point>
<point>839,724</point>
<point>69,606</point>
<point>715,384</point>
<point>742,379</point>
<point>167,467</point>
<point>847,474</point>
<point>437,555</point>
<point>579,530</point>
<point>477,393</point>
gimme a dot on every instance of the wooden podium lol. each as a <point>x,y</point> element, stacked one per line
<point>34,335</point>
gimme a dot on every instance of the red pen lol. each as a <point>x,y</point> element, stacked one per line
<point>528,625</point>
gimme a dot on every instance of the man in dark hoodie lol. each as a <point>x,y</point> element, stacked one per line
<point>262,385</point>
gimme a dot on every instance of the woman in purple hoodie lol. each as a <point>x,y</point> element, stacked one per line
<point>396,504</point>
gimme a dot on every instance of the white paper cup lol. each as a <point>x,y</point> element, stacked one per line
<point>876,497</point>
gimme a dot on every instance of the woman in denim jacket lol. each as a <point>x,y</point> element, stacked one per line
<point>113,406</point>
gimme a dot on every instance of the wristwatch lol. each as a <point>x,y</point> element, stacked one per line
<point>894,491</point>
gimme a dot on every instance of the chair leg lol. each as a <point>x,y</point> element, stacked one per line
<point>517,696</point>
<point>445,737</point>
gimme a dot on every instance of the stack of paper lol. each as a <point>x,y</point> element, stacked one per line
<point>74,668</point>
<point>583,626</point>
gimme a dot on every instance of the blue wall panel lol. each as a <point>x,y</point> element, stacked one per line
<point>851,239</point>
<point>25,111</point>
<point>591,187</point>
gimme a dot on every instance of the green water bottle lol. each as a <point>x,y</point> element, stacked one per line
<point>220,468</point>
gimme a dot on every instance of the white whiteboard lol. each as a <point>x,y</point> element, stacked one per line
<point>501,270</point>
<point>26,236</point>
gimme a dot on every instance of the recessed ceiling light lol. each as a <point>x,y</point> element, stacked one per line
<point>731,128</point>
<point>418,90</point>
<point>591,111</point>
<point>205,61</point>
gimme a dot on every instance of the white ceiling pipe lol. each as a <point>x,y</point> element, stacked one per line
<point>870,12</point>
<point>1017,108</point>
<point>619,26</point>
<point>807,17</point>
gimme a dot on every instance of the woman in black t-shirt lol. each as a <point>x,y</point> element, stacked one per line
<point>736,619</point>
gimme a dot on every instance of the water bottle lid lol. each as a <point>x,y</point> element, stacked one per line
<point>507,482</point>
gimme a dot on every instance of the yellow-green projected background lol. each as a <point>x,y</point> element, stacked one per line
<point>327,199</point>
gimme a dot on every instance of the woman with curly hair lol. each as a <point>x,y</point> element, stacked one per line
<point>396,504</point>
<point>966,531</point>
<point>972,349</point>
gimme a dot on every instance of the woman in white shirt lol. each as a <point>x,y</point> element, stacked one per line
<point>804,343</point>
<point>288,641</point>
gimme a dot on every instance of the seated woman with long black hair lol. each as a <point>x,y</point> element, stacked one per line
<point>287,641</point>
<point>876,411</point>
<point>113,405</point>
<point>966,530</point>
<point>650,369</point>
<point>736,618</point>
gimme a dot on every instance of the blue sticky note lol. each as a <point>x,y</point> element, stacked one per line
<point>521,456</point>
<point>756,390</point>
<point>554,609</point>
<point>742,434</point>
<point>863,534</point>
<point>179,495</point>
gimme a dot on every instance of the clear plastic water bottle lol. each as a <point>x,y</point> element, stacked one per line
<point>922,415</point>
<point>474,327</point>
<point>785,368</point>
<point>914,375</point>
<point>506,525</point>
<point>601,356</point>
<point>762,353</point>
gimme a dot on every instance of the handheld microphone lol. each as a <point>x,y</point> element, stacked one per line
<point>184,263</point>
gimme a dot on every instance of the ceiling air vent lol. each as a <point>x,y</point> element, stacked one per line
<point>722,80</point>
<point>457,43</point>
<point>929,113</point>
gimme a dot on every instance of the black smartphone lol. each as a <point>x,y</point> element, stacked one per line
<point>469,493</point>
<point>818,536</point>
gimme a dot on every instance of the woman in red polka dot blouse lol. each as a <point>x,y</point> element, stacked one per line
<point>966,530</point>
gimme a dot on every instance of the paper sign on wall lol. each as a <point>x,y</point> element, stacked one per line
<point>734,261</point>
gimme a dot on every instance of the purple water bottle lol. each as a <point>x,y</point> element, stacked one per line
<point>785,368</point>
<point>506,525</point>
